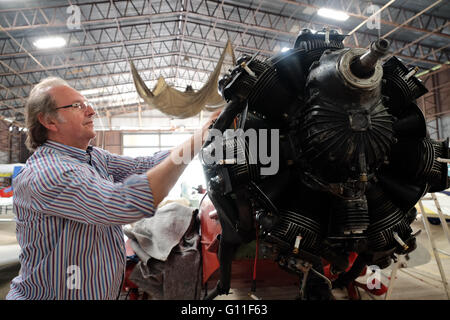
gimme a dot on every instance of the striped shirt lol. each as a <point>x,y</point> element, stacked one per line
<point>69,220</point>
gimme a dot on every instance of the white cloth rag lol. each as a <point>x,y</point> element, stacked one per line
<point>158,235</point>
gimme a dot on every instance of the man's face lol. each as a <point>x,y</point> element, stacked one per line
<point>75,126</point>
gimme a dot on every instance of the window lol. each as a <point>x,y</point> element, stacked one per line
<point>145,144</point>
<point>140,140</point>
<point>169,139</point>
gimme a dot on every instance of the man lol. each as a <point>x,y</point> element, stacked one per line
<point>71,199</point>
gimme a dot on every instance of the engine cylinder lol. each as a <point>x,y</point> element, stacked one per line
<point>292,224</point>
<point>385,219</point>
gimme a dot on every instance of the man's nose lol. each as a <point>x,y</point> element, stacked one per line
<point>90,110</point>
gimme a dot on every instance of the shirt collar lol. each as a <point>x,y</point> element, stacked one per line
<point>80,154</point>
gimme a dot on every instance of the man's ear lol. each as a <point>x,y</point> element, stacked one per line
<point>48,121</point>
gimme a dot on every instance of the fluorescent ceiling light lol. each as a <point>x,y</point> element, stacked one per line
<point>332,14</point>
<point>436,67</point>
<point>50,42</point>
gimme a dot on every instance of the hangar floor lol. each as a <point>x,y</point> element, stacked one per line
<point>419,280</point>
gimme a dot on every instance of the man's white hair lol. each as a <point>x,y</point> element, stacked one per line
<point>41,102</point>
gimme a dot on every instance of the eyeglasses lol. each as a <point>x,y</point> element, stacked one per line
<point>78,105</point>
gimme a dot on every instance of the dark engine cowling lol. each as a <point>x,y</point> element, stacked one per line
<point>352,150</point>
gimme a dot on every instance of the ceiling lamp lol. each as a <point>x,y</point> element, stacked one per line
<point>333,14</point>
<point>49,42</point>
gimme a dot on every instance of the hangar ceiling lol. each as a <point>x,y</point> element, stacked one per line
<point>181,40</point>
